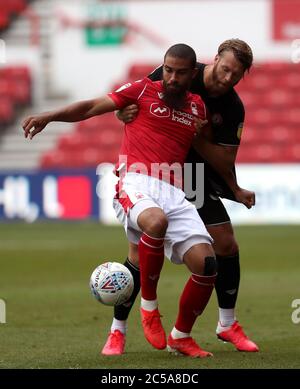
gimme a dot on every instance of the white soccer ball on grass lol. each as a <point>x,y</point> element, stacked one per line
<point>111,283</point>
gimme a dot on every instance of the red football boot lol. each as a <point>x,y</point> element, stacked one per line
<point>115,344</point>
<point>238,338</point>
<point>187,347</point>
<point>153,329</point>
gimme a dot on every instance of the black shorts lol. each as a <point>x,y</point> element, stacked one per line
<point>213,211</point>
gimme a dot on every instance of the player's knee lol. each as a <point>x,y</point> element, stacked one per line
<point>157,225</point>
<point>210,266</point>
<point>133,253</point>
<point>227,247</point>
<point>134,259</point>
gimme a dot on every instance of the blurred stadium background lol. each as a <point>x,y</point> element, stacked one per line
<point>52,236</point>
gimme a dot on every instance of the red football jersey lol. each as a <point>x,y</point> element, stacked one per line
<point>159,134</point>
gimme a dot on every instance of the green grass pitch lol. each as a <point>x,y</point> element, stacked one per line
<point>54,322</point>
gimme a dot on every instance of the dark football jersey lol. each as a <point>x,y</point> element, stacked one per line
<point>227,117</point>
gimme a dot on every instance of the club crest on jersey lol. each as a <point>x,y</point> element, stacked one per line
<point>160,110</point>
<point>194,108</point>
<point>217,119</point>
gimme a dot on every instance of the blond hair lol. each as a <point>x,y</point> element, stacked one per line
<point>241,50</point>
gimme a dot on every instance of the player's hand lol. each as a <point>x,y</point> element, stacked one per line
<point>34,124</point>
<point>199,124</point>
<point>246,197</point>
<point>128,114</point>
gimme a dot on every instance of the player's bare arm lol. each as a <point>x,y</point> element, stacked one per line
<point>75,112</point>
<point>222,159</point>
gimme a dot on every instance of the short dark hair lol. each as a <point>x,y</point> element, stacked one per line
<point>241,50</point>
<point>181,50</point>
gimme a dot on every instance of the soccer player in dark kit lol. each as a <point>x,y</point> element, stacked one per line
<point>215,84</point>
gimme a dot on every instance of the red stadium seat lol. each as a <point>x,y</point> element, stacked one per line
<point>288,81</point>
<point>15,90</point>
<point>250,135</point>
<point>14,6</point>
<point>18,91</point>
<point>139,71</point>
<point>21,92</point>
<point>258,117</point>
<point>88,157</point>
<point>280,134</point>
<point>8,9</point>
<point>4,19</point>
<point>78,141</point>
<point>109,138</point>
<point>275,134</point>
<point>99,123</point>
<point>293,116</point>
<point>276,97</point>
<point>259,82</point>
<point>73,141</point>
<point>262,153</point>
<point>16,73</point>
<point>5,88</point>
<point>88,125</point>
<point>51,160</point>
<point>6,110</point>
<point>250,100</point>
<point>295,97</point>
<point>92,157</point>
<point>278,68</point>
<point>291,153</point>
<point>294,152</point>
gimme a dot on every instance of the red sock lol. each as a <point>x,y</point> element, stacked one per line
<point>151,258</point>
<point>193,300</point>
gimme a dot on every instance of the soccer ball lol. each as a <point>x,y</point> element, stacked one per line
<point>111,283</point>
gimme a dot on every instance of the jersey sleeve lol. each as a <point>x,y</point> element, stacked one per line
<point>157,74</point>
<point>128,93</point>
<point>232,127</point>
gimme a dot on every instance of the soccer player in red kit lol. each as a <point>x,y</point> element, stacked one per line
<point>153,210</point>
<point>215,84</point>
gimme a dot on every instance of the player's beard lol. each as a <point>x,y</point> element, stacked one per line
<point>174,98</point>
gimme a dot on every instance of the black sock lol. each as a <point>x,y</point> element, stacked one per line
<point>121,312</point>
<point>228,280</point>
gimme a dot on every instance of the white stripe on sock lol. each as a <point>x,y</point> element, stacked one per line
<point>226,317</point>
<point>149,305</point>
<point>120,325</point>
<point>178,334</point>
